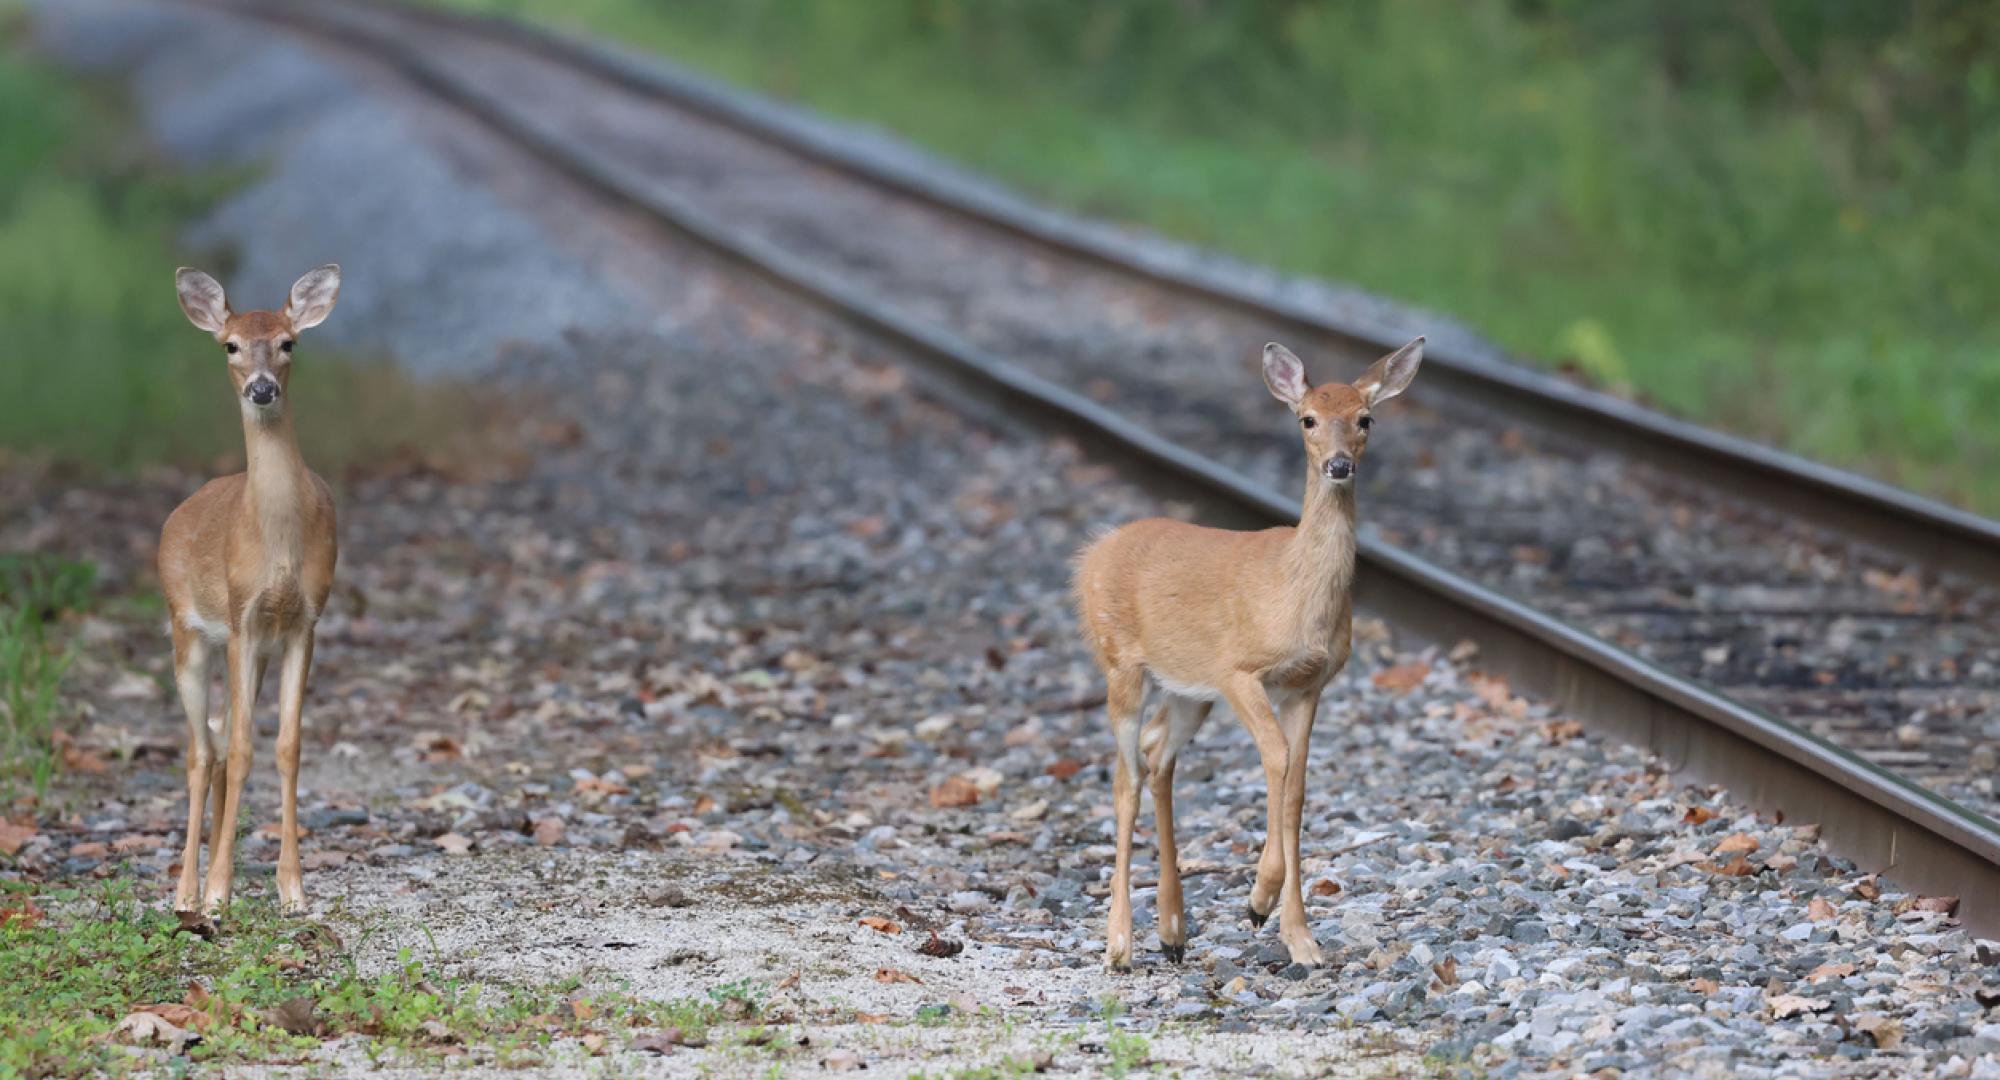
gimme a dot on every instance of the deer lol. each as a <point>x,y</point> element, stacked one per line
<point>1261,620</point>
<point>246,564</point>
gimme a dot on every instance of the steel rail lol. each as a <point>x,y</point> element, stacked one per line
<point>1931,533</point>
<point>1882,822</point>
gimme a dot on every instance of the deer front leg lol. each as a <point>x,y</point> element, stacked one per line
<point>1247,698</point>
<point>191,678</point>
<point>1293,929</point>
<point>1178,718</point>
<point>1126,693</point>
<point>244,674</point>
<point>291,708</point>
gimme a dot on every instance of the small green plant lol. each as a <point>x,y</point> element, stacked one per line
<point>34,591</point>
<point>73,965</point>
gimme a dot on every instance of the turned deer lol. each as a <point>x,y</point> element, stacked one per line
<point>246,564</point>
<point>1261,620</point>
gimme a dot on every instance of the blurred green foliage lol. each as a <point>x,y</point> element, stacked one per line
<point>1773,217</point>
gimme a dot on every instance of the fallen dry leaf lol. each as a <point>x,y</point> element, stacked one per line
<point>296,1016</point>
<point>15,837</point>
<point>549,831</point>
<point>454,844</point>
<point>658,1042</point>
<point>941,947</point>
<point>1818,910</point>
<point>1786,1006</point>
<point>1884,1032</point>
<point>144,1028</point>
<point>1944,905</point>
<point>1064,768</point>
<point>842,1060</point>
<point>26,915</point>
<point>955,791</point>
<point>1737,867</point>
<point>891,975</point>
<point>1446,971</point>
<point>1698,815</point>
<point>194,922</point>
<point>1736,844</point>
<point>1402,678</point>
<point>880,925</point>
<point>1326,887</point>
<point>1830,971</point>
<point>1866,888</point>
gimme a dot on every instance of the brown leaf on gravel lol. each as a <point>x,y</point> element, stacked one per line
<point>942,948</point>
<point>454,844</point>
<point>194,922</point>
<point>1818,910</point>
<point>658,1042</point>
<point>15,837</point>
<point>296,1016</point>
<point>842,1060</point>
<point>1446,971</point>
<point>871,1018</point>
<point>1786,1006</point>
<point>1326,887</point>
<point>955,791</point>
<point>1737,867</point>
<point>1064,768</point>
<point>175,1013</point>
<point>1830,971</point>
<point>1884,1032</point>
<point>582,1009</point>
<point>1402,678</point>
<point>1698,815</point>
<point>26,915</point>
<point>703,805</point>
<point>880,925</point>
<point>1944,905</point>
<point>1866,888</point>
<point>891,975</point>
<point>549,831</point>
<point>1736,844</point>
<point>324,860</point>
<point>1558,732</point>
<point>144,1028</point>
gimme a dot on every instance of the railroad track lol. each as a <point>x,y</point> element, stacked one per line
<point>1615,531</point>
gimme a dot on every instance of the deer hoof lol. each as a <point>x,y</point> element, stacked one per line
<point>1257,918</point>
<point>1175,953</point>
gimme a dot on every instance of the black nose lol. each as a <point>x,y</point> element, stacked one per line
<point>1340,468</point>
<point>262,392</point>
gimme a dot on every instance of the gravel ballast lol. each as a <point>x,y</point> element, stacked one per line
<point>750,618</point>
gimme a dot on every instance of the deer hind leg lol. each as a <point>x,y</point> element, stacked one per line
<point>1125,695</point>
<point>192,673</point>
<point>1176,722</point>
<point>246,672</point>
<point>1296,721</point>
<point>291,707</point>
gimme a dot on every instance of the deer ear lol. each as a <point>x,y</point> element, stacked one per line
<point>201,299</point>
<point>1391,375</point>
<point>1284,374</point>
<point>313,296</point>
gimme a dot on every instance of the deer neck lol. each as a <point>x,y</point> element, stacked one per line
<point>276,489</point>
<point>1318,563</point>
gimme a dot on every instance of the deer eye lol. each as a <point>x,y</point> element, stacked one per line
<point>285,345</point>
<point>1308,422</point>
<point>1365,422</point>
<point>232,348</point>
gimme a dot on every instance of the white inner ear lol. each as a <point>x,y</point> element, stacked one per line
<point>1284,374</point>
<point>202,300</point>
<point>312,297</point>
<point>1392,374</point>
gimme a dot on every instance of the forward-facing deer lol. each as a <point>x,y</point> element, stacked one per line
<point>246,563</point>
<point>1261,620</point>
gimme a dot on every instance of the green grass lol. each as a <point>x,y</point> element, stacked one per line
<point>34,591</point>
<point>73,965</point>
<point>1805,260</point>
<point>103,371</point>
